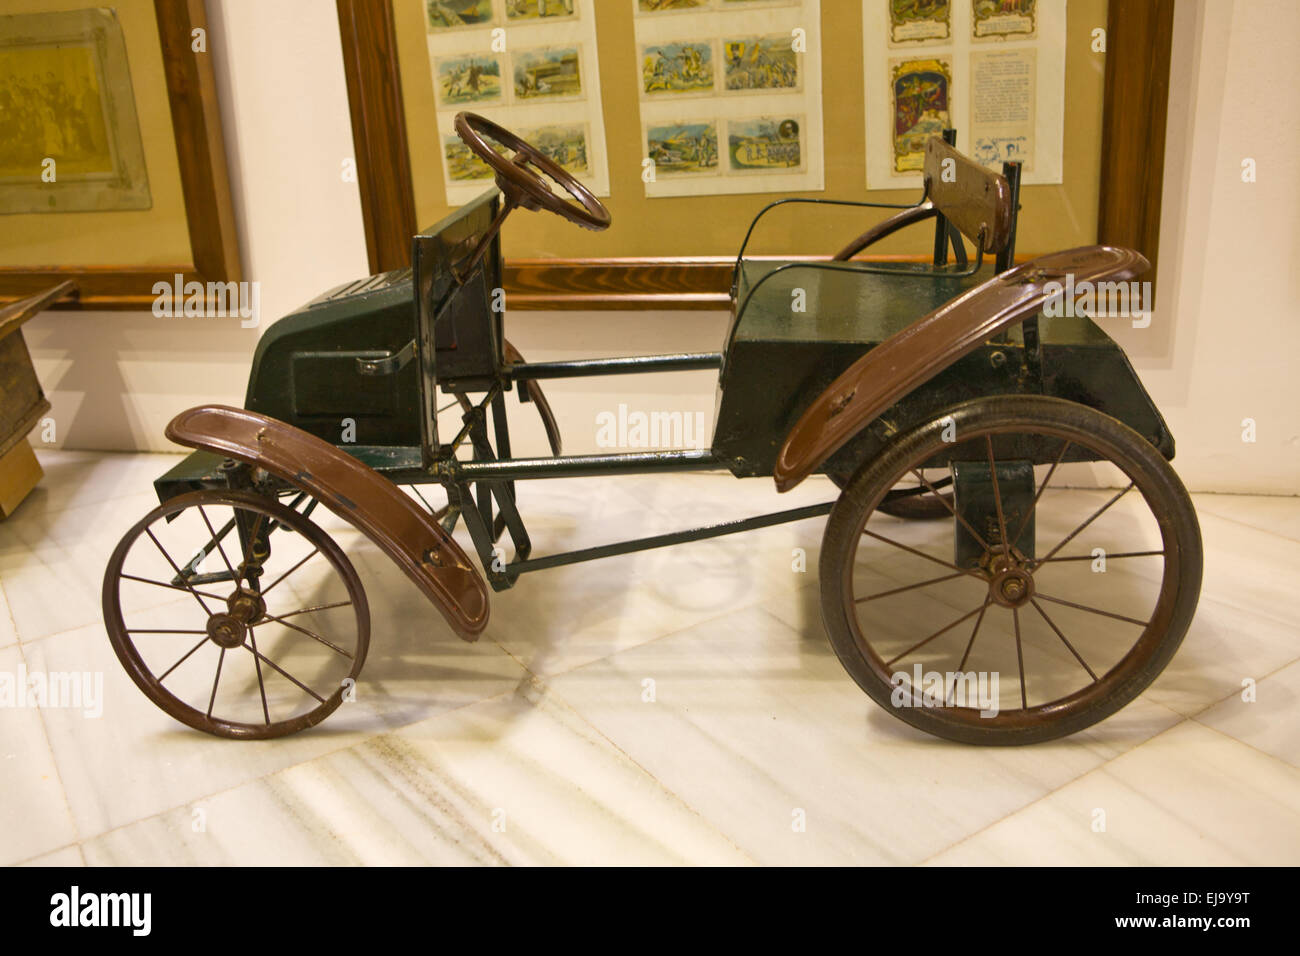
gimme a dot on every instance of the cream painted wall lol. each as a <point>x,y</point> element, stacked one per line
<point>1224,343</point>
<point>1222,346</point>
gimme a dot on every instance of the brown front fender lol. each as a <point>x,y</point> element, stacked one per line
<point>919,352</point>
<point>354,492</point>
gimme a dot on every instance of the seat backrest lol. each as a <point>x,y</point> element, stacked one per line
<point>974,199</point>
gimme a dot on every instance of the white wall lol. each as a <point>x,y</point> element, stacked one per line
<point>1222,346</point>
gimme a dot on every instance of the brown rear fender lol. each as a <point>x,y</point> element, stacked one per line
<point>913,356</point>
<point>360,495</point>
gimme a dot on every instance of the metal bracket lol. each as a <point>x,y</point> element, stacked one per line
<point>388,363</point>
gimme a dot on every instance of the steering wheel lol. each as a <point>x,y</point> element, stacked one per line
<point>520,176</point>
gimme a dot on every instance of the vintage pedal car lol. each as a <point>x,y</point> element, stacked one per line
<point>1010,558</point>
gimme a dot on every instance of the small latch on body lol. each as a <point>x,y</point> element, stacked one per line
<point>388,363</point>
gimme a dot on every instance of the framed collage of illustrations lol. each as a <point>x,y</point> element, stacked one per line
<point>730,96</point>
<point>543,86</point>
<point>691,115</point>
<point>112,162</point>
<point>993,71</point>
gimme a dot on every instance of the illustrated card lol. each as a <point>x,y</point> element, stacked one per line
<point>468,80</point>
<point>761,64</point>
<point>458,14</point>
<point>1004,19</point>
<point>764,144</point>
<point>677,68</point>
<point>549,73</point>
<point>917,21</point>
<point>683,148</point>
<point>921,91</point>
<point>520,11</point>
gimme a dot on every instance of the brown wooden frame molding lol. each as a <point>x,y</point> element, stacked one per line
<point>1139,35</point>
<point>200,149</point>
<point>378,131</point>
<point>1139,48</point>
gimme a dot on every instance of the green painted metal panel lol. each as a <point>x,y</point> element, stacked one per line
<point>779,360</point>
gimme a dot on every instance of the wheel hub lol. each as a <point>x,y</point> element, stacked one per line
<point>1010,585</point>
<point>226,631</point>
<point>246,605</point>
<point>227,628</point>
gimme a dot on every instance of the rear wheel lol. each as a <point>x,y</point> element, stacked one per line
<point>236,614</point>
<point>1018,643</point>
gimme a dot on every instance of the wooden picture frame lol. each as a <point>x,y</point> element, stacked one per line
<point>1139,36</point>
<point>209,213</point>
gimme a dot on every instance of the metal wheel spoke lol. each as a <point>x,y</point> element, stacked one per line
<point>898,494</point>
<point>1020,658</point>
<point>314,636</point>
<point>949,505</point>
<point>312,554</point>
<point>1052,624</point>
<point>1094,610</point>
<point>282,672</point>
<point>217,679</point>
<point>961,668</point>
<point>997,497</point>
<point>181,577</point>
<point>1091,518</point>
<point>1109,557</point>
<point>162,677</point>
<point>170,587</point>
<point>922,554</point>
<point>1033,505</point>
<point>216,539</point>
<point>909,587</point>
<point>160,630</point>
<point>971,643</point>
<point>317,607</point>
<point>436,513</point>
<point>947,627</point>
<point>261,685</point>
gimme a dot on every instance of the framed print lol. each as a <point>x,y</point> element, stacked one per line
<point>65,94</point>
<point>112,162</point>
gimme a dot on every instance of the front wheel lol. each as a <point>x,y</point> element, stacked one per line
<point>236,614</point>
<point>1071,585</point>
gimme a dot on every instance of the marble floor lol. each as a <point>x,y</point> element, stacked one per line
<point>680,706</point>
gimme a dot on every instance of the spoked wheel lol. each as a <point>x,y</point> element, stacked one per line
<point>991,643</point>
<point>236,614</point>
